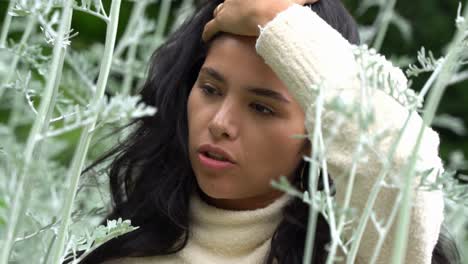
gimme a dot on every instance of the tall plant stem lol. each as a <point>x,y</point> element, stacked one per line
<point>24,183</point>
<point>364,107</point>
<point>163,16</point>
<point>384,231</point>
<point>18,98</point>
<point>313,210</point>
<point>87,133</point>
<point>384,21</point>
<point>182,13</point>
<point>347,201</point>
<point>128,79</point>
<point>331,214</point>
<point>137,12</point>
<point>32,21</point>
<point>448,69</point>
<point>373,195</point>
<point>6,25</point>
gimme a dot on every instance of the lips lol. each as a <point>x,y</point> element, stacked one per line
<point>215,158</point>
<point>213,164</point>
<point>215,153</point>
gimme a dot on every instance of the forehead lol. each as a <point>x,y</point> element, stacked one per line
<point>235,56</point>
<point>236,43</point>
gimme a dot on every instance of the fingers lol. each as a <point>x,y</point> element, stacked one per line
<point>226,21</point>
<point>210,29</point>
<point>217,9</point>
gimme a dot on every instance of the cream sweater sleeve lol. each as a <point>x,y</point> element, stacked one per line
<point>303,50</point>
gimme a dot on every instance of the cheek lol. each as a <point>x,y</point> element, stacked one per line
<point>194,107</point>
<point>191,104</point>
<point>199,115</point>
<point>193,116</point>
<point>274,151</point>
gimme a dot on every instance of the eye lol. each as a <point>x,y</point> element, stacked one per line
<point>262,109</point>
<point>209,90</point>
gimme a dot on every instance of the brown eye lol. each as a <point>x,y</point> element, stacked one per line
<point>209,90</point>
<point>263,110</point>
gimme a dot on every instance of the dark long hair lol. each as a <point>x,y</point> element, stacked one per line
<point>151,178</point>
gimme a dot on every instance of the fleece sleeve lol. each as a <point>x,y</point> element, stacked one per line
<point>304,52</point>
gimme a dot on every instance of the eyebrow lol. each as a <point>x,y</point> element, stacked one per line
<point>259,91</point>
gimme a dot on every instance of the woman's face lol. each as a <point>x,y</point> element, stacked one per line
<point>239,106</point>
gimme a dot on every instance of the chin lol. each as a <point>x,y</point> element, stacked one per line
<point>217,190</point>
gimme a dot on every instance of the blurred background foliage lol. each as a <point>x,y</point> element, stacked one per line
<point>432,26</point>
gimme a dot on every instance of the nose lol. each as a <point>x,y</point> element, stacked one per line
<point>223,125</point>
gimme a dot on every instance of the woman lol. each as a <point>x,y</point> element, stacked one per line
<point>230,93</point>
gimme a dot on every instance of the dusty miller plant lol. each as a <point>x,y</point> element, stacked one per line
<point>60,100</point>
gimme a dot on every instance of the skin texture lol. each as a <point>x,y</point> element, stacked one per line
<point>256,130</point>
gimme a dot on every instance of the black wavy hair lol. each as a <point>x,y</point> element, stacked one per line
<point>151,178</point>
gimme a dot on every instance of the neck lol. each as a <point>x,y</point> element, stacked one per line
<point>248,203</point>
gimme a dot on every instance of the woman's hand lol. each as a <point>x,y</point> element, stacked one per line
<point>242,17</point>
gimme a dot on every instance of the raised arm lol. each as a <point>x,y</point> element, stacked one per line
<point>305,51</point>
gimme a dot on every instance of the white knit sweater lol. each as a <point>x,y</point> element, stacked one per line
<point>304,50</point>
<point>219,236</point>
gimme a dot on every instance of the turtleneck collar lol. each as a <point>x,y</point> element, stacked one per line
<point>233,233</point>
